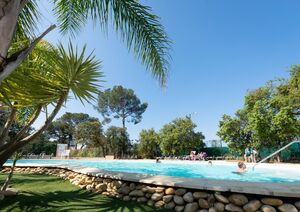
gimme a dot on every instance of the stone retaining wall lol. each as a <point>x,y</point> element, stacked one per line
<point>177,199</point>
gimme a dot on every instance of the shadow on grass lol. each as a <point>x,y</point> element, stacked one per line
<point>46,193</point>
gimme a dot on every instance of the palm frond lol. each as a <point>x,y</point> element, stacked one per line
<point>138,27</point>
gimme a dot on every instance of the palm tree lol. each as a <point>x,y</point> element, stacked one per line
<point>138,27</point>
<point>54,74</point>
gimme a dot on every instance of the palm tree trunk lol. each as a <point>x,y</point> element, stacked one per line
<point>7,125</point>
<point>7,153</point>
<point>8,179</point>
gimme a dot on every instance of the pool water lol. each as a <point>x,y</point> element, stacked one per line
<point>217,171</point>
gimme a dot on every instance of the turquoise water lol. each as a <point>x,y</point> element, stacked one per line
<point>185,169</point>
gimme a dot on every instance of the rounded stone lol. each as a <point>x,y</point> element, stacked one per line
<point>178,200</point>
<point>180,191</point>
<point>211,200</point>
<point>287,208</point>
<point>159,204</point>
<point>169,191</point>
<point>167,198</point>
<point>188,197</point>
<point>200,195</point>
<point>272,201</point>
<point>233,208</point>
<point>142,199</point>
<point>148,195</point>
<point>191,207</point>
<point>170,205</point>
<point>126,198</point>
<point>136,193</point>
<point>221,198</point>
<point>203,210</point>
<point>238,199</point>
<point>159,189</point>
<point>267,208</point>
<point>148,189</point>
<point>124,190</point>
<point>297,204</point>
<point>220,207</point>
<point>252,206</point>
<point>10,192</point>
<point>132,186</point>
<point>203,203</point>
<point>150,202</point>
<point>179,208</point>
<point>212,210</point>
<point>157,196</point>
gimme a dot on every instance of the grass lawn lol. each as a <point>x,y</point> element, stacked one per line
<point>48,193</point>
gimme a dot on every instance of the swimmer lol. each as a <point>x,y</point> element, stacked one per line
<point>242,167</point>
<point>157,160</point>
<point>210,163</point>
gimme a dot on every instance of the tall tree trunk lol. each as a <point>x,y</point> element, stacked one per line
<point>7,125</point>
<point>7,153</point>
<point>8,179</point>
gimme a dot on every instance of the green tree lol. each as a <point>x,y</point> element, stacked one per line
<point>135,23</point>
<point>50,82</point>
<point>63,129</point>
<point>121,103</point>
<point>179,137</point>
<point>117,141</point>
<point>148,146</point>
<point>90,134</point>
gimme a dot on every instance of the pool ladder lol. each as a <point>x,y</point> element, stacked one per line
<point>275,153</point>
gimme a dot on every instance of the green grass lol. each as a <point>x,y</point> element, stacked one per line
<point>48,193</point>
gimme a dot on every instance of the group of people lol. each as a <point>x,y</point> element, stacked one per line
<point>199,156</point>
<point>250,154</point>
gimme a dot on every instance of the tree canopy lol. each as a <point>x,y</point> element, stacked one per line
<point>148,146</point>
<point>179,137</point>
<point>120,103</point>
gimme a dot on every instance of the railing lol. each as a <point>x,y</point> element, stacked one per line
<point>275,153</point>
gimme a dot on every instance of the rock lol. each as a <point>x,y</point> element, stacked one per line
<point>133,198</point>
<point>233,208</point>
<point>159,189</point>
<point>203,203</point>
<point>10,192</point>
<point>126,198</point>
<point>148,189</point>
<point>123,190</point>
<point>297,204</point>
<point>179,208</point>
<point>142,199</point>
<point>157,196</point>
<point>252,206</point>
<point>267,208</point>
<point>238,199</point>
<point>136,193</point>
<point>178,200</point>
<point>180,191</point>
<point>132,186</point>
<point>167,198</point>
<point>272,201</point>
<point>220,207</point>
<point>188,197</point>
<point>287,208</point>
<point>211,200</point>
<point>150,202</point>
<point>212,210</point>
<point>191,207</point>
<point>159,204</point>
<point>140,187</point>
<point>101,187</point>
<point>169,191</point>
<point>117,184</point>
<point>148,195</point>
<point>221,198</point>
<point>89,187</point>
<point>203,210</point>
<point>170,205</point>
<point>200,195</point>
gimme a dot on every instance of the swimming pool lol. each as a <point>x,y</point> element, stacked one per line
<point>184,169</point>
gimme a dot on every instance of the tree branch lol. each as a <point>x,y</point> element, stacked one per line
<point>7,125</point>
<point>16,60</point>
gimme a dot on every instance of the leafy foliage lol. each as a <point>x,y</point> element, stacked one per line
<point>148,146</point>
<point>121,103</point>
<point>179,137</point>
<point>117,141</point>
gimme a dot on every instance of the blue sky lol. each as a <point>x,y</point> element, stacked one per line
<point>221,49</point>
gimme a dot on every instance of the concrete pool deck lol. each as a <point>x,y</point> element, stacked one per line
<point>259,188</point>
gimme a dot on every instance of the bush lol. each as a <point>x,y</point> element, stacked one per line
<point>90,152</point>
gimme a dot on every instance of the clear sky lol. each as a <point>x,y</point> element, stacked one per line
<point>221,49</point>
